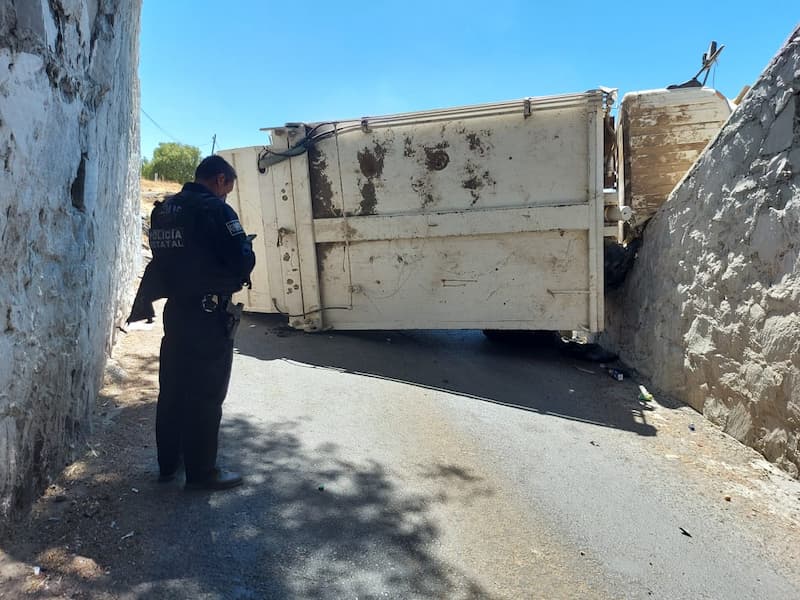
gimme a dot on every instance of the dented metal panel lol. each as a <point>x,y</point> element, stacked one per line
<point>661,133</point>
<point>477,217</point>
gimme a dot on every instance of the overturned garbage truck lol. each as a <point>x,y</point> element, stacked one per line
<point>495,216</point>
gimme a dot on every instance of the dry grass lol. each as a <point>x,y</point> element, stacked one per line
<point>155,190</point>
<point>164,187</point>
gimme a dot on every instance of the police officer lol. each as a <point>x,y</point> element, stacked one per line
<point>201,255</point>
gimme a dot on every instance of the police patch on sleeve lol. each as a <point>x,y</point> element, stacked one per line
<point>234,227</point>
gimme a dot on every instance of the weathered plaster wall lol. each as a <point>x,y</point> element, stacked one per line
<point>69,155</point>
<point>711,310</point>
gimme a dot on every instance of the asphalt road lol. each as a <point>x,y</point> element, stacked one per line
<point>444,465</point>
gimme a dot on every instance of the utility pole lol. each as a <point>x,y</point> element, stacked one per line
<point>213,143</point>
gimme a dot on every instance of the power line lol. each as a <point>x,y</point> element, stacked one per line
<point>173,138</point>
<point>164,131</point>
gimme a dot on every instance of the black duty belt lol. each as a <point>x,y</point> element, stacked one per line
<point>214,302</point>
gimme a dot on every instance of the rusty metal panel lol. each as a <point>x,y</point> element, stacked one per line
<point>661,134</point>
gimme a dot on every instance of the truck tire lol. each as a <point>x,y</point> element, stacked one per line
<point>618,260</point>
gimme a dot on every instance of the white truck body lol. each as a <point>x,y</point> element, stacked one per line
<point>480,217</point>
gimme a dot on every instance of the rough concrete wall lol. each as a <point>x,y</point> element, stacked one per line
<point>711,310</point>
<point>69,155</point>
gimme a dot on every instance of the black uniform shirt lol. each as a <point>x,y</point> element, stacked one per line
<point>199,247</point>
<point>199,244</point>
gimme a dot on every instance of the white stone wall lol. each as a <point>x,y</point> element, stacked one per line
<point>711,309</point>
<point>69,222</point>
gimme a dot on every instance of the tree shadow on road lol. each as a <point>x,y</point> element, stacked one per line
<point>532,375</point>
<point>307,524</point>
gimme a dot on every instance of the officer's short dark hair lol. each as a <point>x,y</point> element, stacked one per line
<point>214,165</point>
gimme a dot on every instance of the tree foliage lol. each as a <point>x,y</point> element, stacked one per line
<point>172,162</point>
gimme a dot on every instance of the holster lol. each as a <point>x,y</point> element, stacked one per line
<point>233,316</point>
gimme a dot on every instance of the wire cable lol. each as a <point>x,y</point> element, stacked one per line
<point>164,131</point>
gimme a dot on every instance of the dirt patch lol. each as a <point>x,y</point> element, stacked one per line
<point>474,183</point>
<point>408,147</point>
<point>322,198</point>
<point>475,143</point>
<point>81,535</point>
<point>156,190</point>
<point>436,159</point>
<point>424,189</point>
<point>371,161</point>
<point>369,199</point>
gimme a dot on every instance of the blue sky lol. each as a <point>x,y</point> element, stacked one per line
<point>228,68</point>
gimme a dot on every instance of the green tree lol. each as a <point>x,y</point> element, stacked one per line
<point>172,162</point>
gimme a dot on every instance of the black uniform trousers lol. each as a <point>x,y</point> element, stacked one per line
<point>194,372</point>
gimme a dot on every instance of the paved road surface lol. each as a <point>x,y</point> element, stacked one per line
<point>443,465</point>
